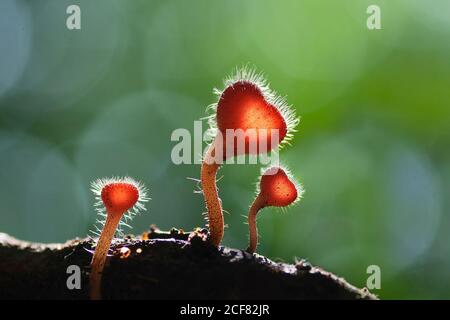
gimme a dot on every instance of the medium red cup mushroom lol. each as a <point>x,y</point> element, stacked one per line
<point>117,198</point>
<point>247,105</point>
<point>277,188</point>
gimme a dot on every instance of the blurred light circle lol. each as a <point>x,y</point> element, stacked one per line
<point>66,64</point>
<point>183,43</point>
<point>132,137</point>
<point>394,24</point>
<point>15,42</point>
<point>41,196</point>
<point>413,205</point>
<point>431,16</point>
<point>325,45</point>
<point>331,168</point>
<point>370,195</point>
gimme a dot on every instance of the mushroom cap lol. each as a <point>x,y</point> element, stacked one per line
<point>277,188</point>
<point>119,197</point>
<point>243,106</point>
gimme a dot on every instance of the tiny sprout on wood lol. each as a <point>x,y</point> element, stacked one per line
<point>116,198</point>
<point>277,188</point>
<point>246,105</point>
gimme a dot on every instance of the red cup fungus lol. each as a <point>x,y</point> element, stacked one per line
<point>117,198</point>
<point>276,188</point>
<point>249,118</point>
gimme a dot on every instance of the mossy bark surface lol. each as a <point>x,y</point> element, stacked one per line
<point>163,265</point>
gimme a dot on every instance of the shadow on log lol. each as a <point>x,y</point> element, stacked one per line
<point>163,265</point>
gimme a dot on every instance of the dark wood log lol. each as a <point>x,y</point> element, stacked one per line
<point>163,265</point>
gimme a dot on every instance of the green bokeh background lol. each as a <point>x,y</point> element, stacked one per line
<point>372,148</point>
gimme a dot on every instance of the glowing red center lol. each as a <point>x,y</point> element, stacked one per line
<point>119,197</point>
<point>277,189</point>
<point>242,106</point>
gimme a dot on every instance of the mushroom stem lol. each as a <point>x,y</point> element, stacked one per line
<point>211,195</point>
<point>100,254</point>
<point>257,205</point>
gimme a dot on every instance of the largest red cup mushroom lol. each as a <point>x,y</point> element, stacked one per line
<point>264,120</point>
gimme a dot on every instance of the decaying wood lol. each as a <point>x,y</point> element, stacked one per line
<point>163,265</point>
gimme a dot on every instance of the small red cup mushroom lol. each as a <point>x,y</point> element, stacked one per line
<point>117,198</point>
<point>277,188</point>
<point>246,105</point>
